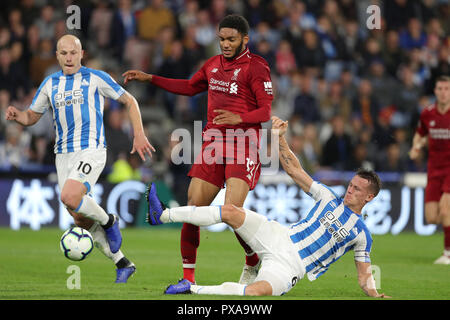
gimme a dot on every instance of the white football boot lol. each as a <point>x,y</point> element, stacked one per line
<point>249,273</point>
<point>444,259</point>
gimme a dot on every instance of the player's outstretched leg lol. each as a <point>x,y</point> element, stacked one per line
<point>155,206</point>
<point>113,234</point>
<point>182,287</point>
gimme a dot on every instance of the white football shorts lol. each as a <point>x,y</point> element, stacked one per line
<point>281,265</point>
<point>84,166</point>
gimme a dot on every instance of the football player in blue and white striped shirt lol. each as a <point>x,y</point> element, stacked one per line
<point>333,227</point>
<point>75,95</point>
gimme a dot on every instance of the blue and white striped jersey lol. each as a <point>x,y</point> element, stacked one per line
<point>328,232</point>
<point>77,101</point>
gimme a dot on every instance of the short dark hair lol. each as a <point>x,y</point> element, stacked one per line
<point>235,21</point>
<point>372,177</point>
<point>443,79</point>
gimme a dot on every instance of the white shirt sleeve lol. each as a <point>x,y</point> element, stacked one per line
<point>41,100</point>
<point>107,86</point>
<point>319,191</point>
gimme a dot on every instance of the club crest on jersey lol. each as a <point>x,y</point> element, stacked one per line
<point>235,74</point>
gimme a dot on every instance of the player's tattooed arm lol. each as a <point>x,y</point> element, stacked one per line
<point>289,161</point>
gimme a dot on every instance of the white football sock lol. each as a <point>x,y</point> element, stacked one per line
<point>226,288</point>
<point>90,209</point>
<point>100,241</point>
<point>199,216</point>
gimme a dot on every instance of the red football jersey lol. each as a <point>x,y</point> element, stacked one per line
<point>437,126</point>
<point>242,85</point>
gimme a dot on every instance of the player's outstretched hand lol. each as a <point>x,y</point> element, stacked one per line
<point>142,146</point>
<point>136,75</point>
<point>279,126</point>
<point>11,113</point>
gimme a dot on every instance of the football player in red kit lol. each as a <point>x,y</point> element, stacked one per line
<point>239,99</point>
<point>434,128</point>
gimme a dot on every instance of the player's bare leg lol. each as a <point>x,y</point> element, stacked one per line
<point>75,198</point>
<point>444,218</point>
<point>236,193</point>
<point>432,212</point>
<point>200,193</point>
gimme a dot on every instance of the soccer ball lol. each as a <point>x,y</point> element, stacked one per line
<point>76,243</point>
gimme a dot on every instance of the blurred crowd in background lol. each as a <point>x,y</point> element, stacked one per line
<point>352,95</point>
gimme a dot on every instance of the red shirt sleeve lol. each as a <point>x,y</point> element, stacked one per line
<point>422,129</point>
<point>261,86</point>
<point>196,84</point>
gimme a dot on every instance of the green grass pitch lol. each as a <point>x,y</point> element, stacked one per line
<point>33,267</point>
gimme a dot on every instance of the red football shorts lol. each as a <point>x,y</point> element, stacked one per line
<point>221,159</point>
<point>436,186</point>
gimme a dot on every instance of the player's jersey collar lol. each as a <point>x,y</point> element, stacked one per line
<point>244,57</point>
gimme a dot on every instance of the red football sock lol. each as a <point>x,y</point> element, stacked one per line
<point>251,258</point>
<point>447,238</point>
<point>190,240</point>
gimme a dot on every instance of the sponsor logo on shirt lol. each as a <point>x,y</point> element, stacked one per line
<point>268,87</point>
<point>338,232</point>
<point>440,133</point>
<point>77,98</point>
<point>223,86</point>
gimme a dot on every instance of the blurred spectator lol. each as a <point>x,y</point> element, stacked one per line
<point>153,18</point>
<point>284,58</point>
<point>359,159</point>
<point>205,32</point>
<point>306,108</point>
<point>338,149</point>
<point>14,149</point>
<point>46,22</point>
<point>123,27</point>
<point>188,17</point>
<point>16,26</point>
<point>12,75</point>
<point>414,36</point>
<point>125,168</point>
<point>398,12</point>
<point>117,140</point>
<point>264,49</point>
<point>310,55</point>
<point>176,66</point>
<point>41,61</point>
<point>100,24</point>
<point>391,160</point>
<point>384,86</point>
<point>297,145</point>
<point>393,54</point>
<point>335,103</point>
<point>406,98</point>
<point>365,104</point>
<point>217,11</point>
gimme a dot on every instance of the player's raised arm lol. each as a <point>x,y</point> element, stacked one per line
<point>366,280</point>
<point>25,118</point>
<point>140,141</point>
<point>288,159</point>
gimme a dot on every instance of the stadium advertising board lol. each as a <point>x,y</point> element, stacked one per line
<point>35,203</point>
